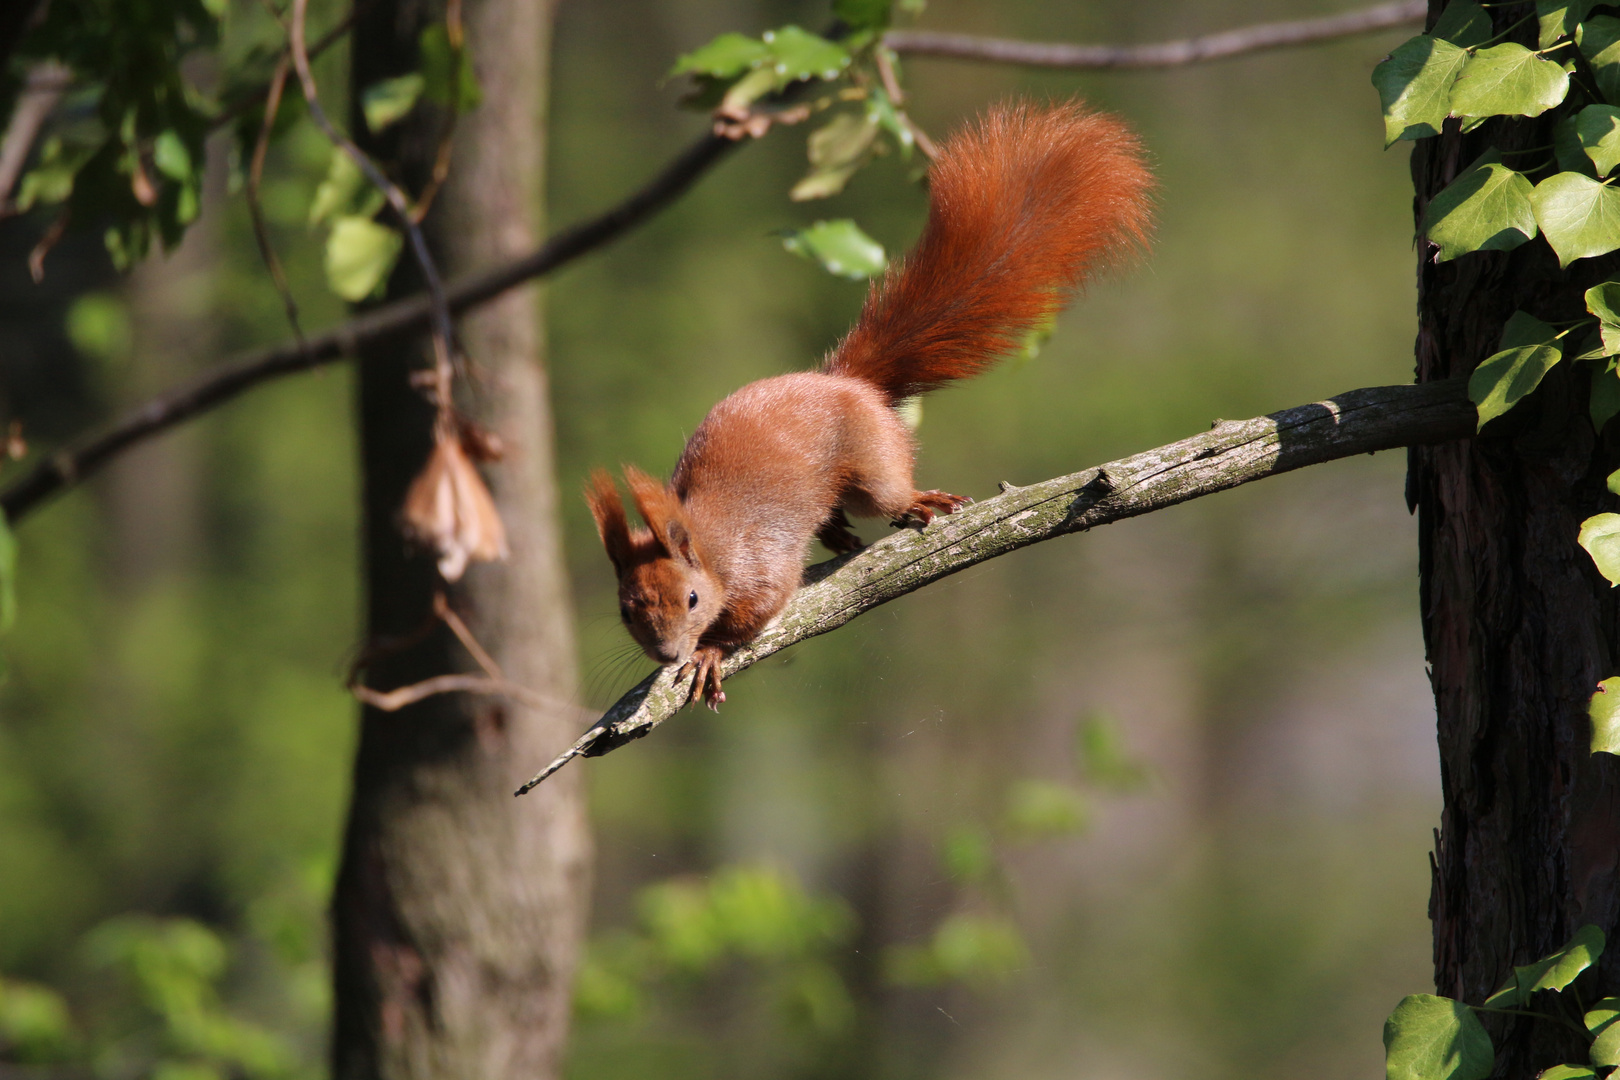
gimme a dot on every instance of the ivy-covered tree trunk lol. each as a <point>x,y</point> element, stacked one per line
<point>1519,625</point>
<point>459,910</point>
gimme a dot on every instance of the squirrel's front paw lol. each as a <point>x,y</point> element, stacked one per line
<point>925,504</point>
<point>706,683</point>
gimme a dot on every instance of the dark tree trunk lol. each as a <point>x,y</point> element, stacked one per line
<point>459,910</point>
<point>1518,624</point>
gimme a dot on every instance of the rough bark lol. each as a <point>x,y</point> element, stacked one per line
<point>1233,452</point>
<point>1518,625</point>
<point>459,914</point>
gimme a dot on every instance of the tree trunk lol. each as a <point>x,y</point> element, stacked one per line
<point>1518,624</point>
<point>459,911</point>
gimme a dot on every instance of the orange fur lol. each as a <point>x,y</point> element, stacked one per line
<point>1024,206</point>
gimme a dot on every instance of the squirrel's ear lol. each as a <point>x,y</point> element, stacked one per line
<point>663,513</point>
<point>608,510</point>
<point>679,541</point>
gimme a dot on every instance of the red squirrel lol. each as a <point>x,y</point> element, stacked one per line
<point>1023,206</point>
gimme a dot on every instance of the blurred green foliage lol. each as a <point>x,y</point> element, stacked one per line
<point>872,863</point>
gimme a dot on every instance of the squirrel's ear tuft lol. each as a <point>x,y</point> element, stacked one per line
<point>663,513</point>
<point>608,510</point>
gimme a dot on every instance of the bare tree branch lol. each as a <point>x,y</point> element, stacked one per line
<point>1162,54</point>
<point>81,458</point>
<point>1233,452</point>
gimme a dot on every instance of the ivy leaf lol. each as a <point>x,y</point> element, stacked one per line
<point>840,247</point>
<point>798,54</point>
<point>837,151</point>
<point>390,101</point>
<point>337,192</point>
<point>1567,1072</point>
<point>1506,378</point>
<point>1463,23</point>
<point>1557,970</point>
<point>1487,208</point>
<point>1599,41</point>
<point>1568,151</point>
<point>1606,1048</point>
<point>1604,401</point>
<point>359,255</point>
<point>448,77</point>
<point>1559,18</point>
<point>1414,87</point>
<point>726,57</point>
<point>1580,216</point>
<point>1598,128</point>
<point>1435,1038</point>
<point>1604,712</point>
<point>1600,536</point>
<point>1508,80</point>
<point>1604,302</point>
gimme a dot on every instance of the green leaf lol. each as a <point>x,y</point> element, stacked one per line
<point>1605,1011</point>
<point>1598,129</point>
<point>359,255</point>
<point>1580,216</point>
<point>1600,536</point>
<point>336,193</point>
<point>1557,970</point>
<point>1414,87</point>
<point>1604,302</point>
<point>1104,758</point>
<point>798,54</point>
<point>1599,41</point>
<point>1604,401</point>
<point>1463,23</point>
<point>1567,1072</point>
<point>1604,712</point>
<point>34,1022</point>
<point>1529,351</point>
<point>967,854</point>
<point>1600,1019</point>
<point>1487,208</point>
<point>448,77</point>
<point>863,14</point>
<point>837,150</point>
<point>1435,1038</point>
<point>1567,150</point>
<point>726,57</point>
<point>1040,808</point>
<point>1508,80</point>
<point>840,247</point>
<point>390,101</point>
<point>1559,18</point>
<point>171,157</point>
<point>1606,1048</point>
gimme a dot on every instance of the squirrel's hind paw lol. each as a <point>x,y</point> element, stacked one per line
<point>925,504</point>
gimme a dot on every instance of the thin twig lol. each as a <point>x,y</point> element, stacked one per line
<point>1162,54</point>
<point>1232,453</point>
<point>83,457</point>
<point>439,305</point>
<point>891,86</point>
<point>441,158</point>
<point>394,700</point>
<point>442,609</point>
<point>261,231</point>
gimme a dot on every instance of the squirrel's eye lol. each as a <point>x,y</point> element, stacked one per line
<point>691,601</point>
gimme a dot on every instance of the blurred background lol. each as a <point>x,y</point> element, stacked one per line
<point>1147,802</point>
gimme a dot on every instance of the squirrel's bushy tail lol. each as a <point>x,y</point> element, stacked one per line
<point>1023,206</point>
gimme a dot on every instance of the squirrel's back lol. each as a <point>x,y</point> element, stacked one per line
<point>1023,207</point>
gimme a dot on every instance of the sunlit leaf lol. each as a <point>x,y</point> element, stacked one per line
<point>1606,1048</point>
<point>1599,41</point>
<point>1567,1072</point>
<point>1487,208</point>
<point>386,103</point>
<point>840,247</point>
<point>798,54</point>
<point>1508,79</point>
<point>336,193</point>
<point>726,57</point>
<point>1414,87</point>
<point>1604,302</point>
<point>1598,128</point>
<point>1435,1038</point>
<point>1559,18</point>
<point>171,157</point>
<point>1041,808</point>
<point>1580,216</point>
<point>837,150</point>
<point>1604,712</point>
<point>976,949</point>
<point>448,76</point>
<point>35,1026</point>
<point>1568,152</point>
<point>359,254</point>
<point>967,854</point>
<point>1503,380</point>
<point>1600,1018</point>
<point>1600,536</point>
<point>1464,23</point>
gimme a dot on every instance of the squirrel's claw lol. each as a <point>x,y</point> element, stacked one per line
<point>925,504</point>
<point>706,683</point>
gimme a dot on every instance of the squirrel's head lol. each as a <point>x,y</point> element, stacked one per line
<point>667,596</point>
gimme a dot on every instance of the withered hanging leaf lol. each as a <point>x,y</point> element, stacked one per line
<point>449,508</point>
